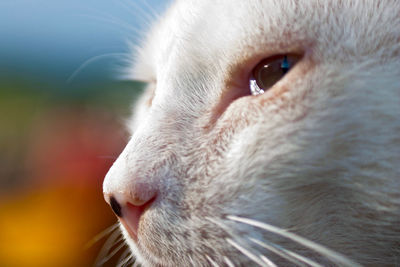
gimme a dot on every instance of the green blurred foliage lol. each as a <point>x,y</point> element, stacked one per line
<point>53,139</point>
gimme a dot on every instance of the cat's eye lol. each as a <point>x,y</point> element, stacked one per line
<point>269,71</point>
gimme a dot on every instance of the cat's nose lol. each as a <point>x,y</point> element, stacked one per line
<point>129,211</point>
<point>123,206</point>
<point>125,189</point>
<point>129,194</point>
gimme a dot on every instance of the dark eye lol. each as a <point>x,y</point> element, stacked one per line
<point>269,71</point>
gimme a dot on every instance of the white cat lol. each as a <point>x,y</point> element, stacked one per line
<point>269,134</point>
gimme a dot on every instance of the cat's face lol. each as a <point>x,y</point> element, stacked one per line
<point>318,153</point>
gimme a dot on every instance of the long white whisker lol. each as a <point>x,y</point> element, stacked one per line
<point>246,252</point>
<point>288,255</point>
<point>332,255</point>
<point>153,14</point>
<point>112,253</point>
<point>228,262</point>
<point>101,235</point>
<point>139,10</point>
<point>125,262</point>
<point>90,61</point>
<point>112,240</point>
<point>230,232</point>
<point>212,262</point>
<point>121,26</point>
<point>126,256</point>
<point>222,226</point>
<point>268,261</point>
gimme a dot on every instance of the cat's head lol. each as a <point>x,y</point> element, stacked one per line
<point>223,133</point>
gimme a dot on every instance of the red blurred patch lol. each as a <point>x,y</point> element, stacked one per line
<point>61,207</point>
<point>72,145</point>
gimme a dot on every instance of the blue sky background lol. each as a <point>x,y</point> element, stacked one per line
<point>53,38</point>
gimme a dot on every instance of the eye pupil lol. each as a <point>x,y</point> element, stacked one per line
<point>285,66</point>
<point>269,71</point>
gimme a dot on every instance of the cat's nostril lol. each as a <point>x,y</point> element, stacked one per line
<point>115,207</point>
<point>130,199</point>
<point>130,207</point>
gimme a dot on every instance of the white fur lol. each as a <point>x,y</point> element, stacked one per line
<point>318,154</point>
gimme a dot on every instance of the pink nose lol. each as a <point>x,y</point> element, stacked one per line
<point>130,211</point>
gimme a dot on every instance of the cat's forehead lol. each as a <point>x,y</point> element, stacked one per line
<point>211,31</point>
<point>206,38</point>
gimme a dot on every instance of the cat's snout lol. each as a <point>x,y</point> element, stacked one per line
<point>130,210</point>
<point>122,204</point>
<point>129,194</point>
<point>135,187</point>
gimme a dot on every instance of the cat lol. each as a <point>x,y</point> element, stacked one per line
<point>268,135</point>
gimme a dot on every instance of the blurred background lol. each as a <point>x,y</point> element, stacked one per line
<point>62,110</point>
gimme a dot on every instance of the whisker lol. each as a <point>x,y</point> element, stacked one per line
<point>110,242</point>
<point>125,262</point>
<point>120,25</point>
<point>222,226</point>
<point>126,256</point>
<point>268,261</point>
<point>101,235</point>
<point>212,262</point>
<point>283,253</point>
<point>332,255</point>
<point>138,10</point>
<point>112,253</point>
<point>90,61</point>
<point>230,232</point>
<point>228,262</point>
<point>246,252</point>
<point>153,14</point>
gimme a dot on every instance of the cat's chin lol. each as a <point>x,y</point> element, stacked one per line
<point>134,232</point>
<point>136,235</point>
<point>138,247</point>
<point>144,253</point>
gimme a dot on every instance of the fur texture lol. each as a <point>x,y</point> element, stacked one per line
<point>318,154</point>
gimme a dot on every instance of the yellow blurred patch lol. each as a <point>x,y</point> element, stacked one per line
<point>49,226</point>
